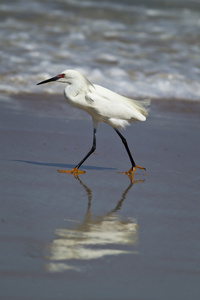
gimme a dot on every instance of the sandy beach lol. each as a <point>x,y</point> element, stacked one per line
<point>98,236</point>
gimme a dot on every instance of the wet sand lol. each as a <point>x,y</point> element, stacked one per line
<point>98,236</point>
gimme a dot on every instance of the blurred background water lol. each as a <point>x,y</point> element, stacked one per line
<point>137,48</point>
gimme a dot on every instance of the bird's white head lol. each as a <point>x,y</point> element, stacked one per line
<point>67,77</point>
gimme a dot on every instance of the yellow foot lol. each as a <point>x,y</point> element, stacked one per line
<point>140,168</point>
<point>131,172</point>
<point>74,172</point>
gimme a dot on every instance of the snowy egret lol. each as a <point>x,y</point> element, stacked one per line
<point>104,106</point>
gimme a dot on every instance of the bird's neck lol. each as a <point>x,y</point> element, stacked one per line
<point>75,88</point>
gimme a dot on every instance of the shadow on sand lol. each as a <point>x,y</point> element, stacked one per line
<point>65,166</point>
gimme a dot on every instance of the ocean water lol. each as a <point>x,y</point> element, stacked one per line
<point>137,48</point>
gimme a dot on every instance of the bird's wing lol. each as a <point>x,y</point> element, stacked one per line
<point>112,105</point>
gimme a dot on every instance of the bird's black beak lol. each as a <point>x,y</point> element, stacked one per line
<point>51,79</point>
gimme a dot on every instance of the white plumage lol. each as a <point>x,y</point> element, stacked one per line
<point>103,105</point>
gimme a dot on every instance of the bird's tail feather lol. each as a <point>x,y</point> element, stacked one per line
<point>143,106</point>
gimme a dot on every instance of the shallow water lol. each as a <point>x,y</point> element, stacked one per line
<point>98,236</point>
<point>140,50</point>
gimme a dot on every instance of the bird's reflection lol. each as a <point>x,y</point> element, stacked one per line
<point>94,238</point>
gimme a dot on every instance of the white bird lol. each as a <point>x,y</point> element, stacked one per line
<point>104,106</point>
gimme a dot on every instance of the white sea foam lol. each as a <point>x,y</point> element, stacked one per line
<point>137,50</point>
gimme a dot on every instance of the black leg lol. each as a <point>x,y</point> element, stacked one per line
<point>91,150</point>
<point>126,146</point>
